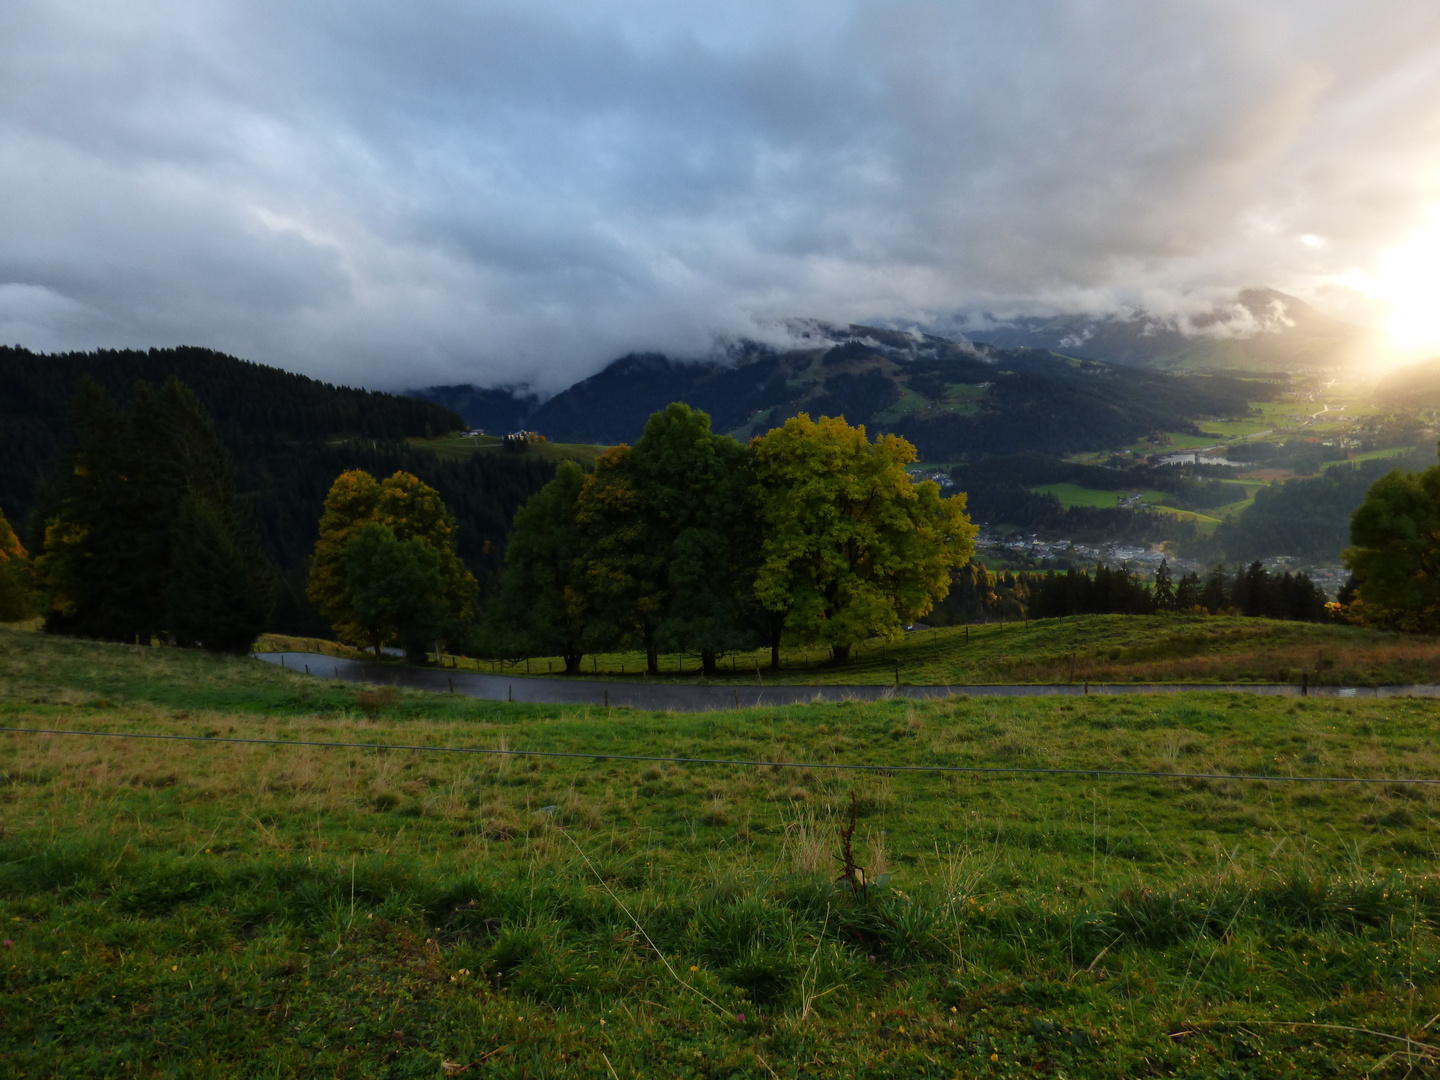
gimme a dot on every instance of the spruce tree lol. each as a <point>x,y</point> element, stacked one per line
<point>1164,588</point>
<point>218,595</point>
<point>108,568</point>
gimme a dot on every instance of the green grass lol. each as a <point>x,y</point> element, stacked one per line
<point>1235,429</point>
<point>457,446</point>
<point>1372,455</point>
<point>1075,495</point>
<point>202,909</point>
<point>1098,648</point>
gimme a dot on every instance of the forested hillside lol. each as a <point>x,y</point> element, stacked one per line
<point>289,437</point>
<point>1307,520</point>
<point>951,399</point>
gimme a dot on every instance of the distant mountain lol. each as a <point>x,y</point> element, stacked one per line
<point>1262,330</point>
<point>494,411</point>
<point>953,399</point>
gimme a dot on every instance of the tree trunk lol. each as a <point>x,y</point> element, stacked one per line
<point>775,649</point>
<point>652,654</point>
<point>572,662</point>
<point>842,654</point>
<point>707,663</point>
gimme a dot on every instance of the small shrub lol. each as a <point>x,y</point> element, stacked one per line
<point>370,702</point>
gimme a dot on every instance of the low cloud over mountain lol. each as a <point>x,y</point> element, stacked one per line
<point>429,192</point>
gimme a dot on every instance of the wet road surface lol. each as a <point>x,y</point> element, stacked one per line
<point>693,697</point>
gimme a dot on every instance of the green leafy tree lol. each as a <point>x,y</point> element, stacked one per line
<point>667,538</point>
<point>1215,596</point>
<point>541,605</point>
<point>411,510</point>
<point>621,591</point>
<point>852,546</point>
<point>1395,552</point>
<point>698,505</point>
<point>397,589</point>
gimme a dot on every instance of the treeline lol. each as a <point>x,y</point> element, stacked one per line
<point>692,541</point>
<point>980,595</point>
<point>288,437</point>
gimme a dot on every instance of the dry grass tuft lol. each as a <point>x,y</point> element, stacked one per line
<point>370,702</point>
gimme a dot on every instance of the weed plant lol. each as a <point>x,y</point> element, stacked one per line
<point>208,909</point>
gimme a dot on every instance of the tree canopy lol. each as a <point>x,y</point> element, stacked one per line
<point>851,545</point>
<point>408,510</point>
<point>147,493</point>
<point>1395,551</point>
<point>693,542</point>
<point>540,607</point>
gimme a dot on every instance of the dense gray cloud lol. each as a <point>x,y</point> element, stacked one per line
<point>434,191</point>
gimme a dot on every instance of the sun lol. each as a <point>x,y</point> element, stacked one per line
<point>1407,278</point>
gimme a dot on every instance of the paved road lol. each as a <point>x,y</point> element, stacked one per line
<point>720,695</point>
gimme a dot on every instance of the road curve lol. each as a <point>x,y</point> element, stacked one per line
<point>705,697</point>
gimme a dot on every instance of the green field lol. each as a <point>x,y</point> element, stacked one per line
<point>1075,495</point>
<point>203,909</point>
<point>1098,648</point>
<point>459,446</point>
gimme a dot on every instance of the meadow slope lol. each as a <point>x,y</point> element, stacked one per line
<point>214,909</point>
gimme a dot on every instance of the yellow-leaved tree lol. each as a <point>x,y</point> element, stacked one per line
<point>852,546</point>
<point>15,592</point>
<point>411,511</point>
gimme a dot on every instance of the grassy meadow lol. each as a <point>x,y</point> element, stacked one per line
<point>208,909</point>
<point>1087,648</point>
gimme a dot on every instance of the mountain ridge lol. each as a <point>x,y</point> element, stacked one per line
<point>953,399</point>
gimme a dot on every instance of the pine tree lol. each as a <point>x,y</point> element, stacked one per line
<point>218,595</point>
<point>1164,591</point>
<point>108,564</point>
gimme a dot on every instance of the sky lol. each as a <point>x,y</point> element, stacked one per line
<point>404,194</point>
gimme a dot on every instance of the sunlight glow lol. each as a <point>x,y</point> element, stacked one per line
<point>1407,277</point>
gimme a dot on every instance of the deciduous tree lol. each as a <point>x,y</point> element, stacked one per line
<point>621,595</point>
<point>698,505</point>
<point>411,510</point>
<point>396,589</point>
<point>1395,552</point>
<point>852,546</point>
<point>541,607</point>
<point>16,601</point>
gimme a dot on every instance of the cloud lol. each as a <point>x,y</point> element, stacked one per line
<point>396,194</point>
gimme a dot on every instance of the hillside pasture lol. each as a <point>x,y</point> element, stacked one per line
<point>457,446</point>
<point>1167,648</point>
<point>212,909</point>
